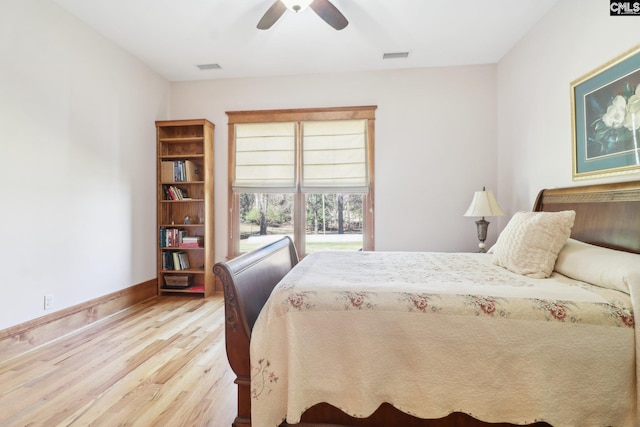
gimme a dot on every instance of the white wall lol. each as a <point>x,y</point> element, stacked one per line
<point>534,114</point>
<point>77,141</point>
<point>435,142</point>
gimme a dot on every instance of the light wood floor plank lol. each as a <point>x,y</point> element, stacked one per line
<point>160,363</point>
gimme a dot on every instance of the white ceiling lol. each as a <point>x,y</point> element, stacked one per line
<point>174,36</point>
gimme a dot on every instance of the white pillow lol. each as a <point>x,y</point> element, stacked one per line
<point>604,267</point>
<point>530,242</point>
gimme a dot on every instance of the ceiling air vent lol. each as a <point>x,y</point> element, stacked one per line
<point>395,55</point>
<point>209,66</point>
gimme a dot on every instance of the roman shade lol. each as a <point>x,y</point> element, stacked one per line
<point>265,157</point>
<point>334,156</point>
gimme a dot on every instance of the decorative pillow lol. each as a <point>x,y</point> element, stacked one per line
<point>603,267</point>
<point>531,241</point>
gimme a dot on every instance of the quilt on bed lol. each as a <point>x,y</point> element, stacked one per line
<point>435,333</point>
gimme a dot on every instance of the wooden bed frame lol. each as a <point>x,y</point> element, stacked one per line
<point>607,215</point>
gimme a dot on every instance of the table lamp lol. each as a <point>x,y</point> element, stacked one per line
<point>483,204</point>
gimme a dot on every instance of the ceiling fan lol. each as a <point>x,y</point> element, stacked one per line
<point>323,8</point>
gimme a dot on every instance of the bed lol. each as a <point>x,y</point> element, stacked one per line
<point>562,353</point>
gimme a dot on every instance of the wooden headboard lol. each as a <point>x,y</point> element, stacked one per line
<point>607,215</point>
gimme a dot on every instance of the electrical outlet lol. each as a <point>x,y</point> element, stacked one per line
<point>48,302</point>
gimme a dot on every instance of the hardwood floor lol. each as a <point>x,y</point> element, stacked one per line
<point>159,363</point>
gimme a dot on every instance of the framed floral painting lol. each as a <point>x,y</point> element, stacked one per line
<point>605,115</point>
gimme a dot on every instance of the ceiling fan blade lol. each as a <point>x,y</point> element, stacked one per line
<point>272,15</point>
<point>329,13</point>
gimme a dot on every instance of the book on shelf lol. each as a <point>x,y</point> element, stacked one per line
<point>191,241</point>
<point>184,260</point>
<point>176,261</point>
<point>179,171</point>
<point>171,192</point>
<point>167,260</point>
<point>166,171</point>
<point>180,260</point>
<point>174,193</point>
<point>171,237</point>
<point>192,172</point>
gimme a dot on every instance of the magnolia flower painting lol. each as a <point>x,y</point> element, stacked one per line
<point>616,129</point>
<point>606,118</point>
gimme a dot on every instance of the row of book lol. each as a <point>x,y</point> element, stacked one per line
<point>191,242</point>
<point>171,237</point>
<point>171,192</point>
<point>175,260</point>
<point>179,171</point>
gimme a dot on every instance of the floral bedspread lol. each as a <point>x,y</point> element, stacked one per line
<point>435,333</point>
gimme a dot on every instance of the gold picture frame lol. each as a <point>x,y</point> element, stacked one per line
<point>605,118</point>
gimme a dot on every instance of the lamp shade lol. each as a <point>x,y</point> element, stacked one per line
<point>484,204</point>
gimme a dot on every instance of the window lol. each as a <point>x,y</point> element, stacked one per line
<point>304,173</point>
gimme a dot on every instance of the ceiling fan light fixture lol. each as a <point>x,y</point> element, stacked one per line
<point>323,8</point>
<point>296,5</point>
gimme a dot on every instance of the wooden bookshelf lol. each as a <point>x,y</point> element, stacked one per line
<point>185,207</point>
